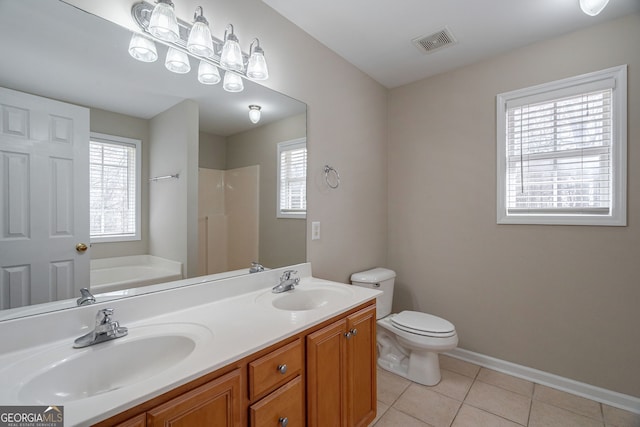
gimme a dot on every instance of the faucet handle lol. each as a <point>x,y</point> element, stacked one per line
<point>104,316</point>
<point>286,275</point>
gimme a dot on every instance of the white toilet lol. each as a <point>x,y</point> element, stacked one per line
<point>408,342</point>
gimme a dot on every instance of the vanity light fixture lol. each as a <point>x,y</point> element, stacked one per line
<point>231,56</point>
<point>254,113</point>
<point>593,7</point>
<point>200,42</point>
<point>208,73</point>
<point>257,66</point>
<point>232,82</point>
<point>163,23</point>
<point>142,49</point>
<point>195,39</point>
<point>177,61</point>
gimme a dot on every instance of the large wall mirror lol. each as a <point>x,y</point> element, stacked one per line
<point>208,175</point>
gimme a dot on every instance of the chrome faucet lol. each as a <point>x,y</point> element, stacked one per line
<point>256,267</point>
<point>105,330</point>
<point>86,297</point>
<point>287,283</point>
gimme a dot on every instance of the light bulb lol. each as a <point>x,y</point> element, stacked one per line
<point>163,23</point>
<point>199,42</point>
<point>254,113</point>
<point>142,49</point>
<point>177,61</point>
<point>208,74</point>
<point>232,82</point>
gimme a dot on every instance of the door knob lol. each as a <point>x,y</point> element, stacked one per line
<point>81,247</point>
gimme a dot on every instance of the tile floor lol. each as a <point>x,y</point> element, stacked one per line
<point>472,396</point>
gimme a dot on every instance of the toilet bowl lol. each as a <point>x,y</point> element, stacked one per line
<point>408,342</point>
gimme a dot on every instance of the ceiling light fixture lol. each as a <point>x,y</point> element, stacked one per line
<point>593,7</point>
<point>254,113</point>
<point>185,39</point>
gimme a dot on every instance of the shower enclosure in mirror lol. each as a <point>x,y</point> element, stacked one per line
<point>215,214</point>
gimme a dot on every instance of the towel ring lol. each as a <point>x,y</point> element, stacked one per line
<point>327,171</point>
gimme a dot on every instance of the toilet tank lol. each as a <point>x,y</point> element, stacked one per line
<point>381,279</point>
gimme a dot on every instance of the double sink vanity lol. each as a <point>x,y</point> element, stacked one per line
<point>229,353</point>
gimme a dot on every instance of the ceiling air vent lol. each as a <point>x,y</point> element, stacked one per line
<point>435,41</point>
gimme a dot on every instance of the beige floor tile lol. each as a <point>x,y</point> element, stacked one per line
<point>564,400</point>
<point>453,385</point>
<point>468,416</point>
<point>614,417</point>
<point>459,366</point>
<point>395,418</point>
<point>546,415</point>
<point>498,401</point>
<point>382,408</point>
<point>428,406</point>
<point>390,386</point>
<point>505,381</point>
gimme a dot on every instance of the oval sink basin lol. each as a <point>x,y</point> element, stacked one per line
<point>310,297</point>
<point>68,374</point>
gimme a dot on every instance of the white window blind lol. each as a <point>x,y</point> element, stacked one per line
<point>292,179</point>
<point>561,154</point>
<point>114,183</point>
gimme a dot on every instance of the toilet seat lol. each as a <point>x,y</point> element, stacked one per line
<point>423,324</point>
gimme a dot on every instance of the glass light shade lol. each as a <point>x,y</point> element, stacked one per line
<point>232,82</point>
<point>163,23</point>
<point>254,113</point>
<point>208,74</point>
<point>231,56</point>
<point>142,49</point>
<point>593,7</point>
<point>199,42</point>
<point>177,61</point>
<point>257,67</point>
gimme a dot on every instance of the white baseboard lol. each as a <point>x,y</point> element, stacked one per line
<point>612,398</point>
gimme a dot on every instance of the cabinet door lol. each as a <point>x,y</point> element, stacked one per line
<point>326,369</point>
<point>217,403</point>
<point>361,367</point>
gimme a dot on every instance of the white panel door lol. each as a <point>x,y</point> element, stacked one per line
<point>44,199</point>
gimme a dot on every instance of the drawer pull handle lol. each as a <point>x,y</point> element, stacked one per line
<point>283,421</point>
<point>283,370</point>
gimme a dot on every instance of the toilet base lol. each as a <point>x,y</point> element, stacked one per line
<point>422,367</point>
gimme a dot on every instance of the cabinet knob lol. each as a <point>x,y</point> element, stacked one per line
<point>284,421</point>
<point>354,331</point>
<point>283,370</point>
<point>347,334</point>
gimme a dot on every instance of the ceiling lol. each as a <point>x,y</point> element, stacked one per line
<point>376,35</point>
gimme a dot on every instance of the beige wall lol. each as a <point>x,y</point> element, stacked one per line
<point>213,151</point>
<point>556,298</point>
<point>130,127</point>
<point>346,128</point>
<point>282,240</point>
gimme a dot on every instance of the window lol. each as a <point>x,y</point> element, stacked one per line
<point>114,196</point>
<point>561,151</point>
<point>292,179</point>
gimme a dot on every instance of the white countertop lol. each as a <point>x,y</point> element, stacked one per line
<point>235,315</point>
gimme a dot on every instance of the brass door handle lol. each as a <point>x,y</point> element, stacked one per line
<point>81,247</point>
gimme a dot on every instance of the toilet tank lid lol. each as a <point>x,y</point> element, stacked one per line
<point>374,275</point>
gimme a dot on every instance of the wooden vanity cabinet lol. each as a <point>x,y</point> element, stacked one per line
<point>341,372</point>
<point>323,376</point>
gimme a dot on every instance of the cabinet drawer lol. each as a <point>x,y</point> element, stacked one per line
<point>274,369</point>
<point>284,406</point>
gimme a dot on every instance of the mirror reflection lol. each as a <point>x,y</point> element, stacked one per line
<point>177,182</point>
